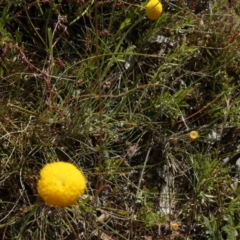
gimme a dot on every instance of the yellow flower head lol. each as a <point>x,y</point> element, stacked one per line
<point>61,184</point>
<point>154,9</point>
<point>193,135</point>
<point>175,226</point>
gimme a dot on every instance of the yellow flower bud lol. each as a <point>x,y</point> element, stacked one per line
<point>154,9</point>
<point>61,184</point>
<point>175,226</point>
<point>193,135</point>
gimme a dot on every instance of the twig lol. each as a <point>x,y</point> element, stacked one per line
<point>142,172</point>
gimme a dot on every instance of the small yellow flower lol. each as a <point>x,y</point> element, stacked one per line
<point>193,135</point>
<point>61,184</point>
<point>154,9</point>
<point>174,226</point>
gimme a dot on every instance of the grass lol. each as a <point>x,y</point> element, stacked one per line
<point>98,84</point>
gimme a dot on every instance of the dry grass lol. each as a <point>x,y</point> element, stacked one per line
<point>99,85</point>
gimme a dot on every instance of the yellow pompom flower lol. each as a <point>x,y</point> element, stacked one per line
<point>193,135</point>
<point>154,9</point>
<point>61,184</point>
